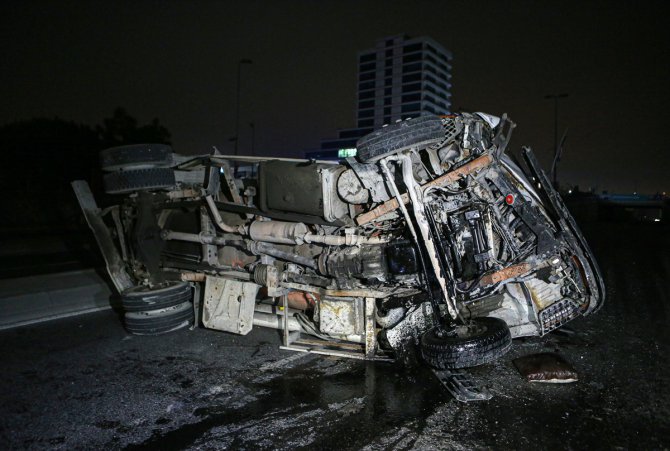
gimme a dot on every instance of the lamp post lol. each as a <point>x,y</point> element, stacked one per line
<point>554,172</point>
<point>237,112</point>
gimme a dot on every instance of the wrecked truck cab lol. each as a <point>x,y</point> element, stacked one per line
<point>432,236</point>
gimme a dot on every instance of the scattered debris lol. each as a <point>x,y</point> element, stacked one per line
<point>546,367</point>
<point>461,386</point>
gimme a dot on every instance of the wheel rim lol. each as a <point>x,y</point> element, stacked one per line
<point>465,331</point>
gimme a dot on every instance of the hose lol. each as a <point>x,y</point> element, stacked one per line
<point>218,220</point>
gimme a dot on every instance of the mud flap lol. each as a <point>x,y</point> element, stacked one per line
<point>116,267</point>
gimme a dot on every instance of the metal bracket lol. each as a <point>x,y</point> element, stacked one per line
<point>116,216</point>
<point>196,304</point>
<point>461,386</point>
<point>501,140</point>
<point>370,332</point>
<point>293,341</point>
<point>210,252</point>
<point>230,183</point>
<point>115,266</point>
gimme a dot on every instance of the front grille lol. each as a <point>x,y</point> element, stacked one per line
<point>557,314</point>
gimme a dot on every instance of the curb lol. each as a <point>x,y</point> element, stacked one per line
<point>34,299</point>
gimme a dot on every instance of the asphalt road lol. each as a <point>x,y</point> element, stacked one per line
<point>84,383</point>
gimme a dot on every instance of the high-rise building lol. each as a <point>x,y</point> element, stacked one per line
<point>400,78</point>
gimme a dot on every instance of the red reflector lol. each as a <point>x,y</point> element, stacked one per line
<point>509,199</point>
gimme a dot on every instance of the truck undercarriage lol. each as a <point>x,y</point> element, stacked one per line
<point>432,236</point>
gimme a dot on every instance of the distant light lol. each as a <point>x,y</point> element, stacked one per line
<point>569,191</point>
<point>344,153</point>
<point>634,193</point>
<point>657,220</point>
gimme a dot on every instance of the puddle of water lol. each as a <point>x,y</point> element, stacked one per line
<point>328,403</point>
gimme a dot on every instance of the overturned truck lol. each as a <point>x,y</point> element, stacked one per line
<point>432,236</point>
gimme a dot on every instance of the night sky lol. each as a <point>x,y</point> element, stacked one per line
<point>178,61</point>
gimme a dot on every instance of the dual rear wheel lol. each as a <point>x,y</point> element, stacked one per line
<point>146,167</point>
<point>158,310</point>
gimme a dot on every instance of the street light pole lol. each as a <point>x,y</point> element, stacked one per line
<point>237,111</point>
<point>556,146</point>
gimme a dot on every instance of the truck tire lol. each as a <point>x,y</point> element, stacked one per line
<point>141,298</point>
<point>419,132</point>
<point>482,341</point>
<point>124,182</point>
<point>136,156</point>
<point>160,321</point>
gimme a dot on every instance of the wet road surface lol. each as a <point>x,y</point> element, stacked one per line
<point>84,383</point>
